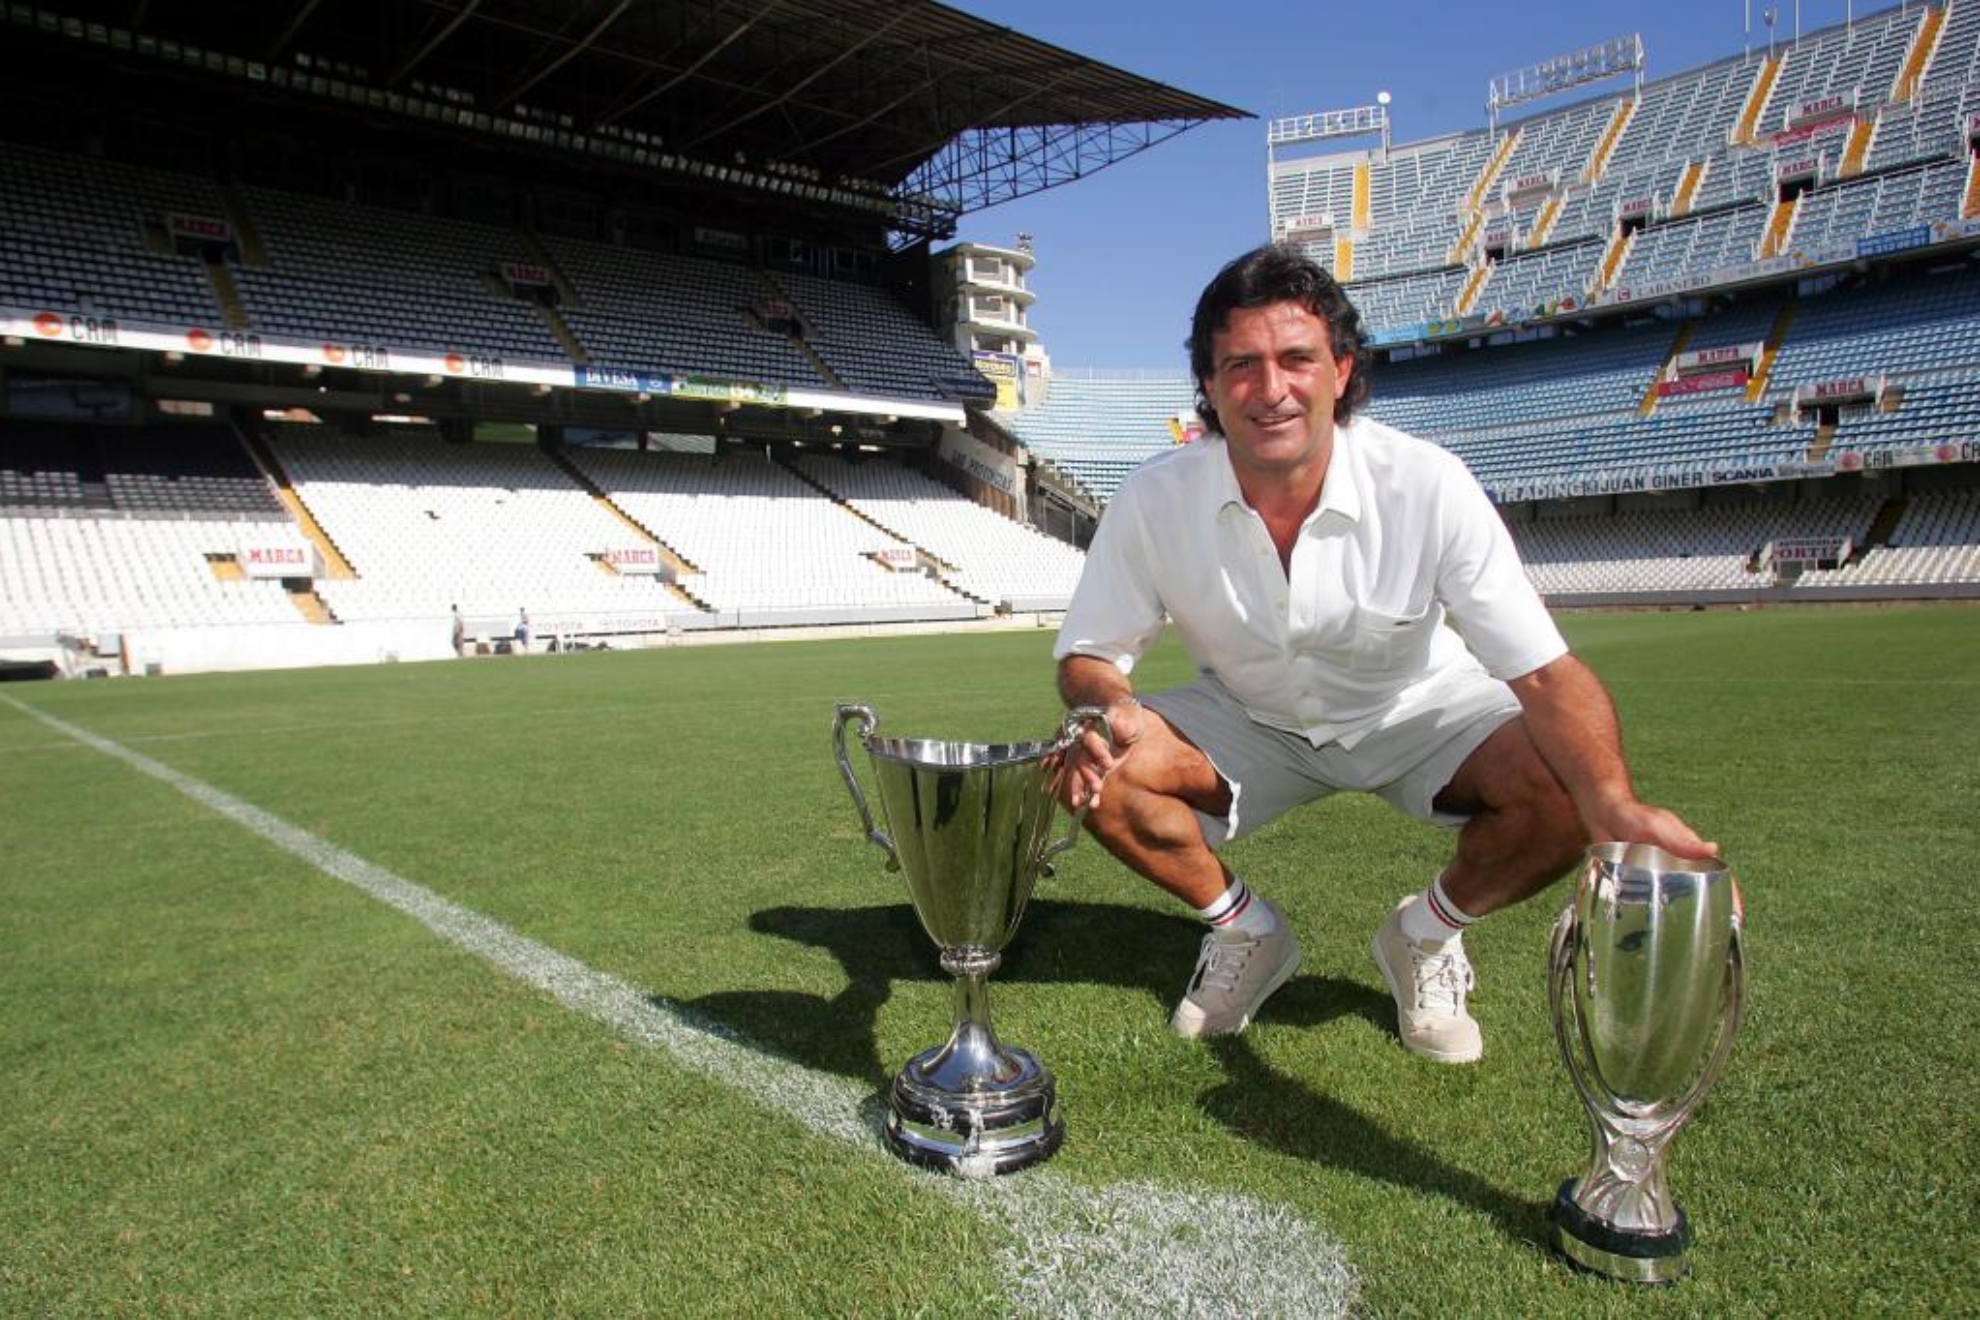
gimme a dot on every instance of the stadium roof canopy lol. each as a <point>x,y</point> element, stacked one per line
<point>915,103</point>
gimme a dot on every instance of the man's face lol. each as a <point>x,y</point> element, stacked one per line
<point>1274,382</point>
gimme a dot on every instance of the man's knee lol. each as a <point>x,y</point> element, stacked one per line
<point>1507,781</point>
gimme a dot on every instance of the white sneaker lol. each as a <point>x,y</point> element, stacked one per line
<point>1429,990</point>
<point>1235,974</point>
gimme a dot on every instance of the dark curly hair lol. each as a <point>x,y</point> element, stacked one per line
<point>1274,274</point>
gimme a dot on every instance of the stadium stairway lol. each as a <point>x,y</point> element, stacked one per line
<point>1648,406</point>
<point>1612,260</point>
<point>1467,238</point>
<point>1780,226</point>
<point>1473,287</point>
<point>246,236</point>
<point>1543,224</point>
<point>1889,514</point>
<point>672,558</point>
<point>1764,369</point>
<point>567,296</point>
<point>1918,61</point>
<point>945,572</point>
<point>928,557</point>
<point>1756,100</point>
<point>310,605</point>
<point>334,563</point>
<point>1598,160</point>
<point>1858,150</point>
<point>228,295</point>
<point>1687,190</point>
<point>301,591</point>
<point>811,355</point>
<point>1481,191</point>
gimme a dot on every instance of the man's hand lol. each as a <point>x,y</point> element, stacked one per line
<point>1091,758</point>
<point>1639,822</point>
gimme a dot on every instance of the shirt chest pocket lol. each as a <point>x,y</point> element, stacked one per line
<point>1383,643</point>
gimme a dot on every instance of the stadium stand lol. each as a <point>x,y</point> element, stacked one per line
<point>292,394</point>
<point>105,530</point>
<point>492,528</point>
<point>675,313</point>
<point>1099,428</point>
<point>1752,276</point>
<point>75,236</point>
<point>765,548</point>
<point>985,555</point>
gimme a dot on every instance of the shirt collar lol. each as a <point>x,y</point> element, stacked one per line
<point>1340,493</point>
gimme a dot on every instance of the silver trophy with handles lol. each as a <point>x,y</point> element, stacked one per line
<point>971,825</point>
<point>1646,984</point>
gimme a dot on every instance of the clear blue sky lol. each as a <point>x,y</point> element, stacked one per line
<point>1123,254</point>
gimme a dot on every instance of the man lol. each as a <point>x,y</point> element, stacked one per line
<point>1309,559</point>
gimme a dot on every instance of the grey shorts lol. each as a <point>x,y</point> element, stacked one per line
<point>1406,762</point>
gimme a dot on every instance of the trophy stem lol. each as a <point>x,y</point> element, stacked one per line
<point>974,1106</point>
<point>974,1059</point>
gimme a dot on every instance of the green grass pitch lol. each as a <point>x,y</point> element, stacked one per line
<point>235,1086</point>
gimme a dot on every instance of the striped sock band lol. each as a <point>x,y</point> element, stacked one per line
<point>1228,906</point>
<point>1441,907</point>
<point>1432,921</point>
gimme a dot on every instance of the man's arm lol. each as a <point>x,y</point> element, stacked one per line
<point>1573,724</point>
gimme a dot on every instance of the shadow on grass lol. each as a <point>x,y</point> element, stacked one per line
<point>1102,944</point>
<point>1058,943</point>
<point>1271,1109</point>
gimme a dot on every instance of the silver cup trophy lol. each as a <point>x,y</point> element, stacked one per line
<point>1646,984</point>
<point>971,824</point>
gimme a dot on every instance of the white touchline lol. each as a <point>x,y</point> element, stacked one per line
<point>1071,1250</point>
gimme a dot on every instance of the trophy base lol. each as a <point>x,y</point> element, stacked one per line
<point>1600,1247</point>
<point>975,1133</point>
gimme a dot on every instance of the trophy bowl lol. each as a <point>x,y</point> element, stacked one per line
<point>970,824</point>
<point>1646,986</point>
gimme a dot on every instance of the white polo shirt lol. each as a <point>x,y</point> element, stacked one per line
<point>1402,539</point>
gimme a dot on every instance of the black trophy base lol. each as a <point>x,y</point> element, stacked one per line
<point>1600,1247</point>
<point>975,1133</point>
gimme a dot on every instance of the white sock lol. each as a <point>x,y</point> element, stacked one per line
<point>1237,910</point>
<point>1432,921</point>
